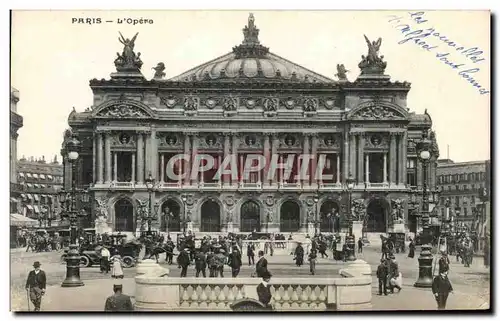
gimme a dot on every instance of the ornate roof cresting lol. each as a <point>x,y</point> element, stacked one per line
<point>250,47</point>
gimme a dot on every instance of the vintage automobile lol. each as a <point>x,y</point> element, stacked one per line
<point>87,257</point>
<point>259,236</point>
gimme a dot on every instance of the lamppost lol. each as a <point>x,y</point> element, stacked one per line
<point>73,258</point>
<point>425,260</point>
<point>184,200</point>
<point>150,184</point>
<point>316,200</point>
<point>350,238</point>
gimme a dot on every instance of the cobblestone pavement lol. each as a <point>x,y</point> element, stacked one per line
<point>471,285</point>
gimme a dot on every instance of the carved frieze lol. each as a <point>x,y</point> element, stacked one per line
<point>328,103</point>
<point>250,102</point>
<point>310,104</point>
<point>330,141</point>
<point>191,103</point>
<point>210,102</point>
<point>211,141</point>
<point>230,103</point>
<point>169,140</point>
<point>289,141</point>
<point>270,104</point>
<point>288,103</point>
<point>123,139</point>
<point>251,141</point>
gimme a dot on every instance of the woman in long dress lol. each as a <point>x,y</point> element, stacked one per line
<point>411,253</point>
<point>117,267</point>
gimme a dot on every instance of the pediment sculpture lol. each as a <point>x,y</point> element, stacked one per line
<point>373,111</point>
<point>123,110</point>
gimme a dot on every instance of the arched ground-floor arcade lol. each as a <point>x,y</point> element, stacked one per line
<point>240,212</point>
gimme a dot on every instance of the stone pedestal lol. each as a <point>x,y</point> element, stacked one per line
<point>398,227</point>
<point>310,229</point>
<point>102,226</point>
<point>357,230</point>
<point>360,267</point>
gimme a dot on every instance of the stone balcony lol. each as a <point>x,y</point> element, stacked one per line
<point>155,291</point>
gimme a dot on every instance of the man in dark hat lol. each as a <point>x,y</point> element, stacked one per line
<point>36,283</point>
<point>118,301</point>
<point>183,260</point>
<point>441,288</point>
<point>382,277</point>
<point>264,289</point>
<point>235,261</point>
<point>201,264</point>
<point>261,266</point>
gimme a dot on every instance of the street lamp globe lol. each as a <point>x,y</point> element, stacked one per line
<point>184,198</point>
<point>425,155</point>
<point>315,198</point>
<point>73,156</point>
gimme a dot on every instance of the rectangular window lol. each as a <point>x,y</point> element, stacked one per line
<point>376,167</point>
<point>411,179</point>
<point>464,187</point>
<point>457,200</point>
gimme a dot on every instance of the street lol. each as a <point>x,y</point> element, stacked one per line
<point>471,285</point>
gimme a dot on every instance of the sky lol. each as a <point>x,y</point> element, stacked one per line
<point>53,59</point>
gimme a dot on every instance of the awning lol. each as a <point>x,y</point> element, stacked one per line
<point>29,175</point>
<point>35,175</point>
<point>30,207</point>
<point>42,176</point>
<point>30,196</point>
<point>20,220</point>
<point>36,208</point>
<point>50,177</point>
<point>14,200</point>
<point>37,198</point>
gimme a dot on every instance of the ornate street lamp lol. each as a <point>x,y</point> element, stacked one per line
<point>73,259</point>
<point>350,238</point>
<point>150,184</point>
<point>184,200</point>
<point>425,260</point>
<point>316,200</point>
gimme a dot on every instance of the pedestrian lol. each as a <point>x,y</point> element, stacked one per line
<point>312,261</point>
<point>360,245</point>
<point>382,277</point>
<point>264,290</point>
<point>183,261</point>
<point>345,252</point>
<point>394,275</point>
<point>299,255</point>
<point>36,284</point>
<point>117,266</point>
<point>444,263</point>
<point>201,264</point>
<point>441,288</point>
<point>322,249</point>
<point>104,261</point>
<point>411,246</point>
<point>220,259</point>
<point>118,301</point>
<point>212,264</point>
<point>261,266</point>
<point>251,254</point>
<point>235,262</point>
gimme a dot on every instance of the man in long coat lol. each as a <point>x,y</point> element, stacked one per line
<point>201,264</point>
<point>441,288</point>
<point>235,262</point>
<point>36,284</point>
<point>183,261</point>
<point>261,266</point>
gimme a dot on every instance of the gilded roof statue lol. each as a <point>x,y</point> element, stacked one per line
<point>372,63</point>
<point>128,60</point>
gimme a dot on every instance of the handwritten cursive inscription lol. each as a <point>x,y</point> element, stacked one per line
<point>465,61</point>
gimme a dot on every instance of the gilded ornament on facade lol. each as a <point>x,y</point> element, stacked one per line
<point>191,103</point>
<point>289,103</point>
<point>376,112</point>
<point>169,101</point>
<point>270,104</point>
<point>230,104</point>
<point>123,110</point>
<point>310,105</point>
<point>210,103</point>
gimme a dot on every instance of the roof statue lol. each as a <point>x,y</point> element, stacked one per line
<point>128,60</point>
<point>341,72</point>
<point>159,71</point>
<point>250,32</point>
<point>372,63</point>
<point>251,47</point>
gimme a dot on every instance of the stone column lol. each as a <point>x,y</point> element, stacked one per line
<point>133,180</point>
<point>404,157</point>
<point>267,157</point>
<point>392,159</point>
<point>147,155</point>
<point>194,152</point>
<point>240,169</point>
<point>154,155</point>
<point>367,168</point>
<point>107,147</point>
<point>305,180</point>
<point>227,146</point>
<point>94,163</point>
<point>162,170</point>
<point>352,156</point>
<point>115,166</point>
<point>338,168</point>
<point>361,148</point>
<point>140,158</point>
<point>345,157</point>
<point>100,159</point>
<point>401,162</point>
<point>314,161</point>
<point>234,154</point>
<point>187,163</point>
<point>385,168</point>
